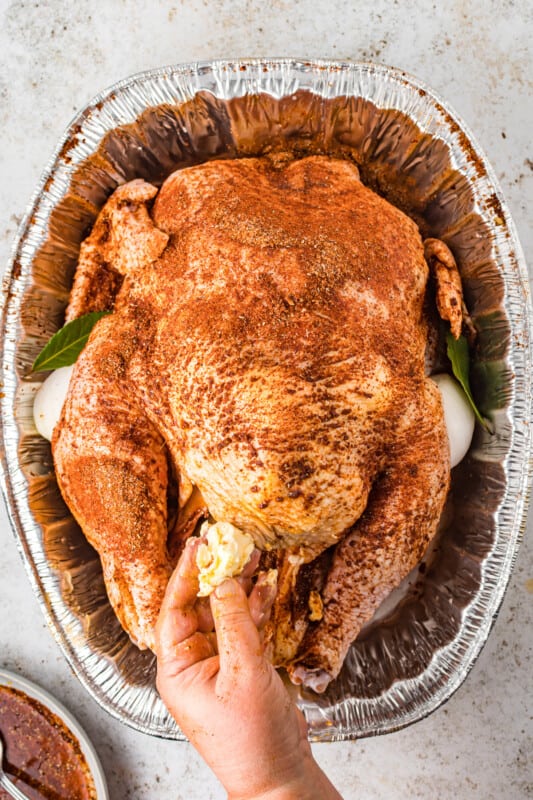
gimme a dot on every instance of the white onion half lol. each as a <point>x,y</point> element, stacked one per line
<point>458,415</point>
<point>49,401</point>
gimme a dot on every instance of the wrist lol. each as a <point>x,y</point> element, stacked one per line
<point>310,783</point>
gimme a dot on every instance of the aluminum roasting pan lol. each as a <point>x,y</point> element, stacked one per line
<point>412,148</point>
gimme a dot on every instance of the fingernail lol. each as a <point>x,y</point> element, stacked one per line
<point>225,590</point>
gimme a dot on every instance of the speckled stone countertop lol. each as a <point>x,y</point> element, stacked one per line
<point>477,54</point>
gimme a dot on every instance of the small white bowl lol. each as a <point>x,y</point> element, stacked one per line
<point>14,681</point>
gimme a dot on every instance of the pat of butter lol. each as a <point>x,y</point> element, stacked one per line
<point>225,554</point>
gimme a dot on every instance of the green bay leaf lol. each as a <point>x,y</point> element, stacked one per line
<point>458,353</point>
<point>66,344</point>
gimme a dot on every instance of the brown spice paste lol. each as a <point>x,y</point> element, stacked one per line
<point>41,755</point>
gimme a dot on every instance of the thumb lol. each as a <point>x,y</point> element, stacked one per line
<point>239,643</point>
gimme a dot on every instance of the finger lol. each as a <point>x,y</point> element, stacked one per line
<point>183,585</point>
<point>177,618</point>
<point>206,622</point>
<point>239,645</point>
<point>246,583</point>
<point>185,654</point>
<point>252,564</point>
<point>262,597</point>
<point>245,577</point>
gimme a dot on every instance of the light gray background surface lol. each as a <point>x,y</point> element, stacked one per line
<point>54,56</point>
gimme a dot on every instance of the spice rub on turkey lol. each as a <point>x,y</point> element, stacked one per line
<point>264,362</point>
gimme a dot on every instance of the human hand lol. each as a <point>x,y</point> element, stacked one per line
<point>225,695</point>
